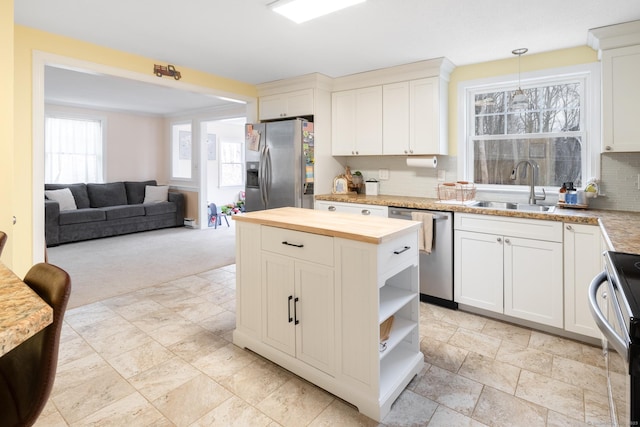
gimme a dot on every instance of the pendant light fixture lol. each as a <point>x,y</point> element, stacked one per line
<point>519,100</point>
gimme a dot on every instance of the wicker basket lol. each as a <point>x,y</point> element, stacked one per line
<point>385,329</point>
<point>460,191</point>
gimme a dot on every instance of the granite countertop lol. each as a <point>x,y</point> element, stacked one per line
<point>22,312</point>
<point>621,229</point>
<point>368,229</point>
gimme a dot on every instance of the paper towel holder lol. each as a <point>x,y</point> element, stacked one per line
<point>422,162</point>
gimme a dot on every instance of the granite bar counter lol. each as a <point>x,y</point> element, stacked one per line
<point>620,228</point>
<point>22,312</point>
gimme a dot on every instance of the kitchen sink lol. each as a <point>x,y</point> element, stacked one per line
<point>513,206</point>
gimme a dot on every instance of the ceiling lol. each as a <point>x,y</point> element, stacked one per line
<point>244,40</point>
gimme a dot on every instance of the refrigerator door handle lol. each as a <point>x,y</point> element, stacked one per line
<point>261,176</point>
<point>267,181</point>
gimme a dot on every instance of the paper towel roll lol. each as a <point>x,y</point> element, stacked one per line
<point>422,162</point>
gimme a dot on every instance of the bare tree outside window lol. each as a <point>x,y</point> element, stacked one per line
<point>547,131</point>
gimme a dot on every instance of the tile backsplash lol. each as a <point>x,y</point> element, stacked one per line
<point>618,178</point>
<point>619,182</point>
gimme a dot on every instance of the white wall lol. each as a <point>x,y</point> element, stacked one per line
<point>135,145</point>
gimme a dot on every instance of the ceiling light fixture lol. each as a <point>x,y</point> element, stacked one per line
<point>300,11</point>
<point>519,100</point>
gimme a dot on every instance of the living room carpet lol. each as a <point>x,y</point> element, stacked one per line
<point>103,268</point>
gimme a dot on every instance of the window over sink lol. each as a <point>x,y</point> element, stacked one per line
<point>556,126</point>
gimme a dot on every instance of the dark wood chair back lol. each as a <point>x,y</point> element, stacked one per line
<point>3,240</point>
<point>27,372</point>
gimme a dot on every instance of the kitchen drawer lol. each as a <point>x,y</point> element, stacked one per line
<point>398,253</point>
<point>507,226</point>
<point>297,244</point>
<point>353,208</point>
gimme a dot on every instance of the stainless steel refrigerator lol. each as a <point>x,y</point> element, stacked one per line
<point>279,165</point>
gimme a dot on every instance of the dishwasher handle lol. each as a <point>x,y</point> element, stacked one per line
<point>436,216</point>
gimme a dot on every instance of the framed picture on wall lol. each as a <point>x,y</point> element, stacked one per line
<point>211,146</point>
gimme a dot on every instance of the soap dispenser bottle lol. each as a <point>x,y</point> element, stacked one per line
<point>562,193</point>
<point>571,197</point>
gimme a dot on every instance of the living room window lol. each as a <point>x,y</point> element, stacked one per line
<point>181,155</point>
<point>554,127</point>
<point>73,149</point>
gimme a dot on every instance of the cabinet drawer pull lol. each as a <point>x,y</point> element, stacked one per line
<point>331,208</point>
<point>365,212</point>
<point>293,244</point>
<point>406,248</point>
<point>289,308</point>
<point>295,310</point>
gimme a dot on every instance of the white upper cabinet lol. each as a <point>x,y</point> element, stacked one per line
<point>621,91</point>
<point>283,105</point>
<point>403,111</point>
<point>395,119</point>
<point>412,118</point>
<point>619,49</point>
<point>357,122</point>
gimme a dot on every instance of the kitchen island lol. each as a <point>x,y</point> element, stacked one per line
<point>316,293</point>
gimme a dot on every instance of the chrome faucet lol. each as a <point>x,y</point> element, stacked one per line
<point>532,180</point>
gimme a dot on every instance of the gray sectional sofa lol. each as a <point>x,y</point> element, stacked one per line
<point>111,209</point>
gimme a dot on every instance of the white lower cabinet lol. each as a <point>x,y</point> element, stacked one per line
<point>354,208</point>
<point>510,266</point>
<point>297,309</point>
<point>583,246</point>
<point>316,303</point>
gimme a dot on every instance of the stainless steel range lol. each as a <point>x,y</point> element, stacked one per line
<point>614,297</point>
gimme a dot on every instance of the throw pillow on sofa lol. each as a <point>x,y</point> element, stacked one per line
<point>63,197</point>
<point>156,194</point>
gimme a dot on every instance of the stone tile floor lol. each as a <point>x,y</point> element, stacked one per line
<point>163,356</point>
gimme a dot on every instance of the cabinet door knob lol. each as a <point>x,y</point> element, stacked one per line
<point>607,148</point>
<point>570,228</point>
<point>507,241</point>
<point>499,239</point>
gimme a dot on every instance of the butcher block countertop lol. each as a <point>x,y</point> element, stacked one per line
<point>620,228</point>
<point>364,229</point>
<point>22,312</point>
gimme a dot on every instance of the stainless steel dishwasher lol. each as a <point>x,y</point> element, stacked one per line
<point>436,268</point>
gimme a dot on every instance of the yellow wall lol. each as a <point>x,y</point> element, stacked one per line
<point>529,62</point>
<point>26,41</point>
<point>6,127</point>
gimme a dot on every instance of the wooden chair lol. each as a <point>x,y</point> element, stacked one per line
<point>3,240</point>
<point>27,372</point>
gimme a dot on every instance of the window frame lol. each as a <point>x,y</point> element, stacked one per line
<point>174,150</point>
<point>53,113</point>
<point>221,142</point>
<point>588,74</point>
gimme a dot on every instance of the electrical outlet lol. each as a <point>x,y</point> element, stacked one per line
<point>383,174</point>
<point>442,175</point>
